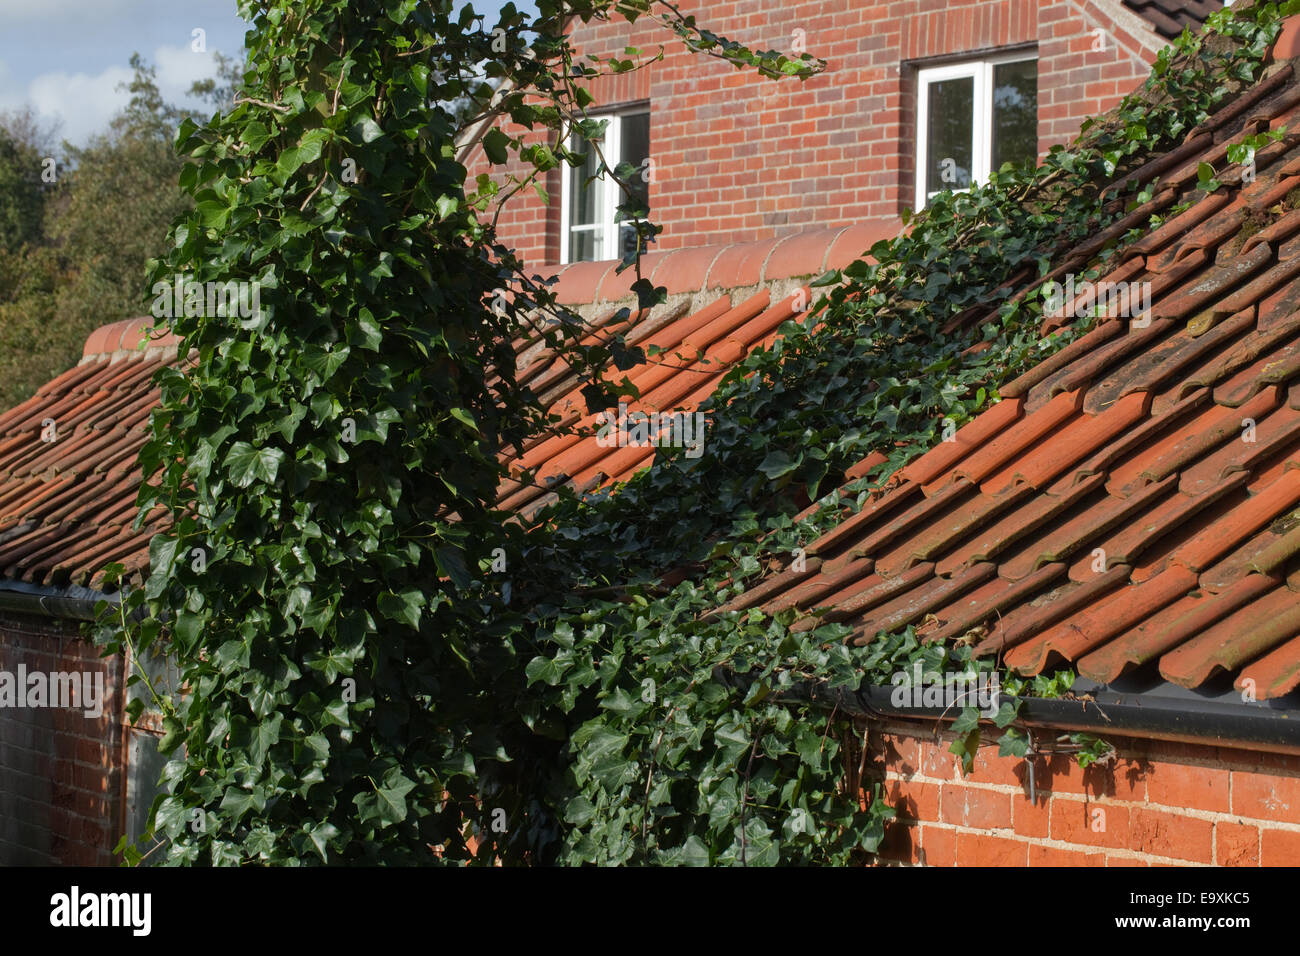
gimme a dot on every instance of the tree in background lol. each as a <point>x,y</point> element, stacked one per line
<point>23,145</point>
<point>72,251</point>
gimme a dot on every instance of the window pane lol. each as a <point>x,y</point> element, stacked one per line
<point>634,148</point>
<point>1015,113</point>
<point>627,240</point>
<point>584,192</point>
<point>950,134</point>
<point>584,245</point>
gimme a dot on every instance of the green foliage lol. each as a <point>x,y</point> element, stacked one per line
<point>98,224</point>
<point>1091,749</point>
<point>362,687</point>
<point>22,193</point>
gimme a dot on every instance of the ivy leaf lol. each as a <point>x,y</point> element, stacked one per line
<point>548,670</point>
<point>235,803</point>
<point>171,817</point>
<point>1013,743</point>
<point>406,606</point>
<point>694,852</point>
<point>579,811</point>
<point>778,463</point>
<point>309,147</point>
<point>247,464</point>
<point>392,797</point>
<point>494,146</point>
<point>321,835</point>
<point>451,562</point>
<point>1006,713</point>
<point>288,163</point>
<point>367,130</point>
<point>967,721</point>
<point>255,134</point>
<point>966,747</point>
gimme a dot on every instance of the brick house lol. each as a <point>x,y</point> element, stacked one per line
<point>953,88</point>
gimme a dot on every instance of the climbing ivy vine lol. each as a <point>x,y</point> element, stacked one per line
<point>378,666</point>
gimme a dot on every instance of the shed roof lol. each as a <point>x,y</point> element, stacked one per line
<point>1133,499</point>
<point>68,495</point>
<point>68,474</point>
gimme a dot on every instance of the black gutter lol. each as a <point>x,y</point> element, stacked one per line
<point>71,603</point>
<point>1238,725</point>
<point>1179,716</point>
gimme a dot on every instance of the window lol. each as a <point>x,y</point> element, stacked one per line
<point>590,231</point>
<point>971,118</point>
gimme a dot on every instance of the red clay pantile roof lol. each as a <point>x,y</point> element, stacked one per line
<point>698,349</point>
<point>1134,500</point>
<point>703,331</point>
<point>68,475</point>
<point>67,506</point>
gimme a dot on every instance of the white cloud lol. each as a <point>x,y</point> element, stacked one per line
<point>178,67</point>
<point>84,104</point>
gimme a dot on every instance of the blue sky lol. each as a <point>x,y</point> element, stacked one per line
<point>64,58</point>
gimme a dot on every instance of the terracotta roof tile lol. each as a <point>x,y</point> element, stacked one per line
<point>697,348</point>
<point>1273,675</point>
<point>944,456</point>
<point>1254,628</point>
<point>996,538</point>
<point>991,601</point>
<point>805,253</point>
<point>1170,17</point>
<point>834,541</point>
<point>694,270</point>
<point>61,521</point>
<point>1025,433</point>
<point>740,265</point>
<point>814,587</point>
<point>910,606</point>
<point>1033,617</point>
<point>1169,627</point>
<point>615,285</point>
<point>876,591</point>
<point>855,241</point>
<point>1112,615</point>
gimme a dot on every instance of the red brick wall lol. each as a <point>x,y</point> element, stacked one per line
<point>60,777</point>
<point>737,157</point>
<point>1158,804</point>
<point>1077,80</point>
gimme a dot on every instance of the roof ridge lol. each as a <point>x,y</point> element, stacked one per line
<point>721,267</point>
<point>123,338</point>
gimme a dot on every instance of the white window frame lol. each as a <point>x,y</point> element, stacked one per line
<point>981,71</point>
<point>610,195</point>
